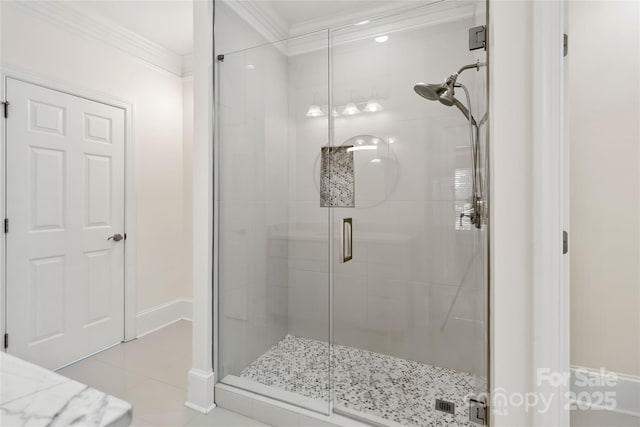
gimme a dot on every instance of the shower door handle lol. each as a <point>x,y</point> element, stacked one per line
<point>346,239</point>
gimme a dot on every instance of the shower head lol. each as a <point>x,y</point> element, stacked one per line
<point>434,92</point>
<point>448,98</point>
<point>429,91</point>
<point>445,92</point>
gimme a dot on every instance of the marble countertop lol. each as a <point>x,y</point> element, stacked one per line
<point>34,396</point>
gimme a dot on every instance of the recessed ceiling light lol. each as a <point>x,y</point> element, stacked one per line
<point>381,39</point>
<point>366,21</point>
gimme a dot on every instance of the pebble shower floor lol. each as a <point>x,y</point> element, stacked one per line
<point>395,389</point>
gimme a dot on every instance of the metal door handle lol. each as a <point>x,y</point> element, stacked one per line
<point>346,239</point>
<point>116,237</point>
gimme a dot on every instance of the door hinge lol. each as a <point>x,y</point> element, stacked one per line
<point>477,412</point>
<point>6,225</point>
<point>5,107</point>
<point>565,45</point>
<point>565,242</point>
<point>221,58</point>
<point>478,37</point>
<point>6,341</point>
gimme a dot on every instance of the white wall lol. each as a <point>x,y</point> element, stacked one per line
<point>187,184</point>
<point>55,53</point>
<point>605,185</point>
<point>511,253</point>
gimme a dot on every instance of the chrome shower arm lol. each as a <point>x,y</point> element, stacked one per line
<point>477,66</point>
<point>452,80</point>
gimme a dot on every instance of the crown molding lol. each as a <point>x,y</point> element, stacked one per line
<point>355,16</point>
<point>108,32</point>
<point>385,19</point>
<point>261,17</point>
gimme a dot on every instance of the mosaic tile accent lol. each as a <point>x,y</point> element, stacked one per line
<point>337,177</point>
<point>396,389</point>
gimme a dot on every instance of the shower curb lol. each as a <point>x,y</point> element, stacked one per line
<point>274,412</point>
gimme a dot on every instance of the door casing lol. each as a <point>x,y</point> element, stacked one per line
<point>6,72</point>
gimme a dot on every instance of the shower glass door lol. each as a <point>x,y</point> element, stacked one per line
<point>351,251</point>
<point>273,236</point>
<point>410,306</point>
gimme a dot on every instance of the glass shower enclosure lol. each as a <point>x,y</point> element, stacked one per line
<point>351,247</point>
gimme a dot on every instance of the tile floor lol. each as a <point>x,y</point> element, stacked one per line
<point>395,389</point>
<point>151,373</point>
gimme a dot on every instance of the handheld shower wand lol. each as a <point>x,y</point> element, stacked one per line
<point>445,94</point>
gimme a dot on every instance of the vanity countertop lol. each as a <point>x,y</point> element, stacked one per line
<point>34,396</point>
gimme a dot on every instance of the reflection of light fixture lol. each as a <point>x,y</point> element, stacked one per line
<point>366,21</point>
<point>362,148</point>
<point>372,106</point>
<point>391,140</point>
<point>314,111</point>
<point>350,109</point>
<point>376,160</point>
<point>334,112</point>
<point>381,39</point>
<point>250,67</point>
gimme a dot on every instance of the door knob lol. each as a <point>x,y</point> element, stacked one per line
<point>116,237</point>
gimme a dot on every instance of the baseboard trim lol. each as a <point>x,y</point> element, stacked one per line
<point>200,391</point>
<point>199,408</point>
<point>626,389</point>
<point>162,315</point>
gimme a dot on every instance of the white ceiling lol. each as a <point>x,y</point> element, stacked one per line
<point>168,23</point>
<point>297,11</point>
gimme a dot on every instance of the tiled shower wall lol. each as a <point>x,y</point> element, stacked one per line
<point>409,258</point>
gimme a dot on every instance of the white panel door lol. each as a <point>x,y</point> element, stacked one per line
<point>65,198</point>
